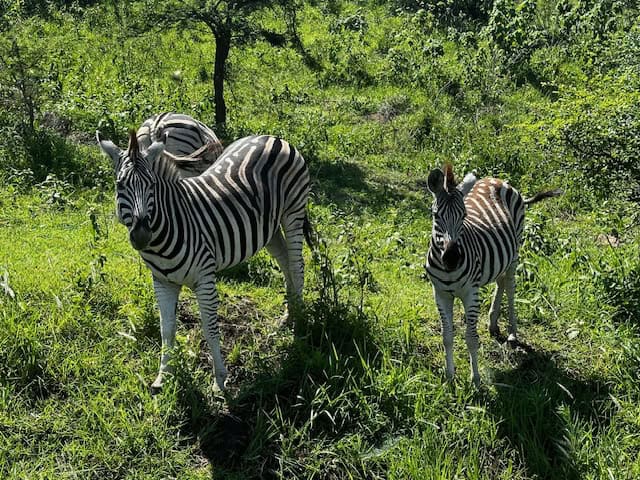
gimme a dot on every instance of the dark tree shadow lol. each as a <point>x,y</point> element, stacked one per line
<point>238,441</point>
<point>532,405</point>
<point>347,186</point>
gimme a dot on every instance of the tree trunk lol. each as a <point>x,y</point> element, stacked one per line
<point>223,44</point>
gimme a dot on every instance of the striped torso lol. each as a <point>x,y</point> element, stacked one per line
<point>216,220</point>
<point>490,238</point>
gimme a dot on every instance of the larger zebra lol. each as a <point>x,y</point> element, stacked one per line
<point>189,143</point>
<point>476,236</point>
<point>187,229</point>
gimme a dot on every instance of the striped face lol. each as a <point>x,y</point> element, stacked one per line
<point>449,212</point>
<point>135,185</point>
<point>135,201</point>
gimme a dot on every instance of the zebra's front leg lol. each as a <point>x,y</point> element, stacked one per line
<point>207,296</point>
<point>471,303</point>
<point>444,301</point>
<point>167,298</point>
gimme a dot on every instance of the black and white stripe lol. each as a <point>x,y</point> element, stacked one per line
<point>191,145</point>
<point>476,236</point>
<point>187,229</point>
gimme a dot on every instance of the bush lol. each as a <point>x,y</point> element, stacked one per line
<point>620,284</point>
<point>600,137</point>
<point>462,14</point>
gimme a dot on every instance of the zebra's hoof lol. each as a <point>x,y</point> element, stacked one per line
<point>156,387</point>
<point>494,332</point>
<point>219,384</point>
<point>285,320</point>
<point>512,340</point>
<point>450,375</point>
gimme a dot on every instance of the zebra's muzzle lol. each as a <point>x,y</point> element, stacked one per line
<point>140,233</point>
<point>451,256</point>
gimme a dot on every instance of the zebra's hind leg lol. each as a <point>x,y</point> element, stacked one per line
<point>207,296</point>
<point>277,247</point>
<point>294,237</point>
<point>167,298</point>
<point>510,287</point>
<point>494,311</point>
<point>471,310</point>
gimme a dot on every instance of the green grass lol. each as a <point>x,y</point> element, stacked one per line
<point>361,392</point>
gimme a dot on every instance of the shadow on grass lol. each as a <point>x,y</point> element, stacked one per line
<point>313,387</point>
<point>345,185</point>
<point>537,406</point>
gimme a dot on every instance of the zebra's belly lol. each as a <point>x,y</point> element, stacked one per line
<point>242,244</point>
<point>492,270</point>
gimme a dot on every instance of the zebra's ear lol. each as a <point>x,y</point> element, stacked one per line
<point>436,181</point>
<point>449,178</point>
<point>108,147</point>
<point>467,183</point>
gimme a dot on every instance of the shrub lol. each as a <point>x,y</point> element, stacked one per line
<point>461,14</point>
<point>600,136</point>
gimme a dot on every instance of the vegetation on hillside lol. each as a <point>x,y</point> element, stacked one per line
<point>374,94</point>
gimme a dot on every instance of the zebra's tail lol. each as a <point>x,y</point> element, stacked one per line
<point>307,229</point>
<point>543,195</point>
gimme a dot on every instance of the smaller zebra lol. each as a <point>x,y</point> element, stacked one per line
<point>475,239</point>
<point>189,143</point>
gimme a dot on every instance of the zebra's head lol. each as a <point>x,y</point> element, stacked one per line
<point>448,215</point>
<point>135,185</point>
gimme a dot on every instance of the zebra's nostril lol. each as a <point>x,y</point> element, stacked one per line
<point>140,234</point>
<point>140,223</point>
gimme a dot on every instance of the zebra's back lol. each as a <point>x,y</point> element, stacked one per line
<point>493,228</point>
<point>263,170</point>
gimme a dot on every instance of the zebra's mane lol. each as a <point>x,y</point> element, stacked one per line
<point>163,167</point>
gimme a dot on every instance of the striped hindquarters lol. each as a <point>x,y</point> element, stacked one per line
<point>493,228</point>
<point>183,136</point>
